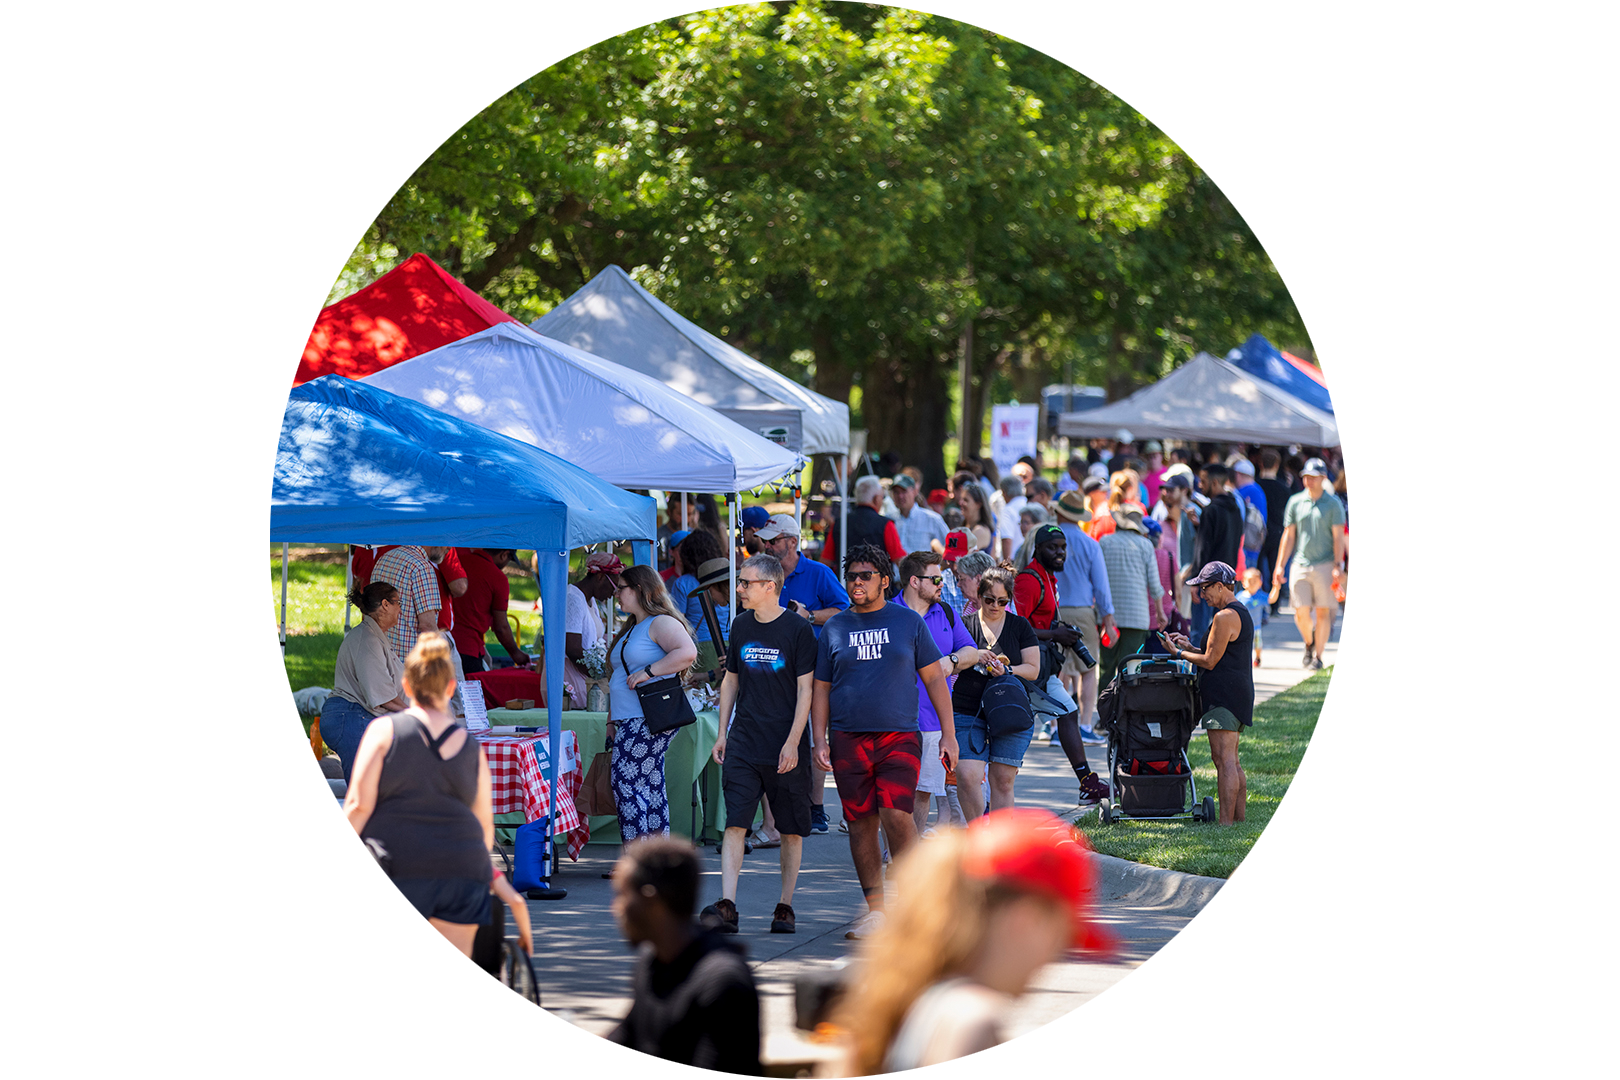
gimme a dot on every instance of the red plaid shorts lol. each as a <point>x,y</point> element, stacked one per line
<point>874,769</point>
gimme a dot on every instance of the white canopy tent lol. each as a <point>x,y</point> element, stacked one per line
<point>618,424</point>
<point>614,317</point>
<point>1208,399</point>
<point>622,426</point>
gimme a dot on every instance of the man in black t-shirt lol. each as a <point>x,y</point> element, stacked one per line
<point>770,668</point>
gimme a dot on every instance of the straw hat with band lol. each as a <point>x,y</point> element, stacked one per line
<point>1129,517</point>
<point>714,572</point>
<point>1071,506</point>
<point>1285,926</point>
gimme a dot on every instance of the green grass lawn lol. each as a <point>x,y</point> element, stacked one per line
<point>1270,752</point>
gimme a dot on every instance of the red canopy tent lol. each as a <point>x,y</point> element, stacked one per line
<point>414,308</point>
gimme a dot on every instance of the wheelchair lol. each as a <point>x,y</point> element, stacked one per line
<point>501,978</point>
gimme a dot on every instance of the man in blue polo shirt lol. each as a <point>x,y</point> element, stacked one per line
<point>810,590</point>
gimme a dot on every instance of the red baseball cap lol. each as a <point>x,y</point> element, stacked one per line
<point>938,496</point>
<point>957,545</point>
<point>1036,850</point>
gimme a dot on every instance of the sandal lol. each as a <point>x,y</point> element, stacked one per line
<point>760,840</point>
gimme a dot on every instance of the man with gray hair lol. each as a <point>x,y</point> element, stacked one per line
<point>919,527</point>
<point>867,525</point>
<point>765,751</point>
<point>1031,517</point>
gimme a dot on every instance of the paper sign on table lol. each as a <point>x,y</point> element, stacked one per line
<point>472,700</point>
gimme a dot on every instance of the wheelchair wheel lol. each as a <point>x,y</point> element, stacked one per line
<point>519,1011</point>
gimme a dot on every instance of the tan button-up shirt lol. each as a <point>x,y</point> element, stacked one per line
<point>368,672</point>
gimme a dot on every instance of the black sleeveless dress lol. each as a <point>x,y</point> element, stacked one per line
<point>1230,682</point>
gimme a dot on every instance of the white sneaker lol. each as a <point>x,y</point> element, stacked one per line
<point>865,926</point>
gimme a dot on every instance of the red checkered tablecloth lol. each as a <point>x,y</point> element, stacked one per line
<point>517,774</point>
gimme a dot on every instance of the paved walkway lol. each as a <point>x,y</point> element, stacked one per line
<point>583,963</point>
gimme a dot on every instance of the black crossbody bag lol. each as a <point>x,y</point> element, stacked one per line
<point>663,701</point>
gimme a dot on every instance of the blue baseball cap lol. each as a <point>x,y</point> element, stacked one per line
<point>1217,573</point>
<point>755,517</point>
<point>676,538</point>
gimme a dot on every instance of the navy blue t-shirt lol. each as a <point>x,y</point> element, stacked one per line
<point>872,663</point>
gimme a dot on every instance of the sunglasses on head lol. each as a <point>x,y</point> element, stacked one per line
<point>860,575</point>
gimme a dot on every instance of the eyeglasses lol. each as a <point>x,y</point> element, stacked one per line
<point>993,602</point>
<point>744,582</point>
<point>860,575</point>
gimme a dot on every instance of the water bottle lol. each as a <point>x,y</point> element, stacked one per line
<point>566,1053</point>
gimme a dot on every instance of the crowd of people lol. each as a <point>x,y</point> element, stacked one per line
<point>918,671</point>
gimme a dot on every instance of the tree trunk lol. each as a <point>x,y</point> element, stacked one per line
<point>905,405</point>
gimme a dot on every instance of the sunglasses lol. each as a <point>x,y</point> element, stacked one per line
<point>937,579</point>
<point>993,602</point>
<point>860,575</point>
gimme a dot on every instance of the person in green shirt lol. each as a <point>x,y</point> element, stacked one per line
<point>1313,533</point>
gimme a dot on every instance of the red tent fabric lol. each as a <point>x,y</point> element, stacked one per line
<point>414,308</point>
<point>1306,366</point>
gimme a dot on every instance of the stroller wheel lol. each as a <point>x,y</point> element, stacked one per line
<point>1209,808</point>
<point>1106,813</point>
<point>517,973</point>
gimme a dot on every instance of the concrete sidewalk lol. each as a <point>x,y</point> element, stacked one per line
<point>584,966</point>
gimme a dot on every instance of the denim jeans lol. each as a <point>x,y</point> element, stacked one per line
<point>342,725</point>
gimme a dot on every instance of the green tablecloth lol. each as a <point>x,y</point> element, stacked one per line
<point>686,761</point>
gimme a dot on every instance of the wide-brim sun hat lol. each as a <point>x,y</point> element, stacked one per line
<point>714,572</point>
<point>1285,926</point>
<point>1071,506</point>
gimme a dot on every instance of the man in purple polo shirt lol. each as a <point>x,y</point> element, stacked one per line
<point>922,574</point>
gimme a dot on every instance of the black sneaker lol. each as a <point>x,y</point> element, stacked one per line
<point>1316,663</point>
<point>818,818</point>
<point>720,915</point>
<point>782,920</point>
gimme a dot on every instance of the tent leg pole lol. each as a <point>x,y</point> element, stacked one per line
<point>553,575</point>
<point>348,584</point>
<point>733,500</point>
<point>281,698</point>
<point>843,511</point>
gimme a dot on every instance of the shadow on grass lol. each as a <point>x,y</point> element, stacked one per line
<point>1270,752</point>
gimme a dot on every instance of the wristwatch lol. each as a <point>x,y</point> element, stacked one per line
<point>648,672</point>
<point>954,663</point>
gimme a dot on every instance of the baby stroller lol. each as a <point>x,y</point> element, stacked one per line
<point>1149,711</point>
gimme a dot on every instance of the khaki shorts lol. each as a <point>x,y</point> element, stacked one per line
<point>1312,587</point>
<point>1086,619</point>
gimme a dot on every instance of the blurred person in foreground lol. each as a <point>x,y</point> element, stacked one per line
<point>694,998</point>
<point>995,903</point>
<point>1282,960</point>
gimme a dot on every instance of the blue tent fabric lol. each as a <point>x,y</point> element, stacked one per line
<point>359,465</point>
<point>1263,360</point>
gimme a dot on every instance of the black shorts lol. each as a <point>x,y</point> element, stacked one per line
<point>453,900</point>
<point>743,782</point>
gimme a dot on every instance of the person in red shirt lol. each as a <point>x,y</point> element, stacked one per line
<point>482,607</point>
<point>1035,595</point>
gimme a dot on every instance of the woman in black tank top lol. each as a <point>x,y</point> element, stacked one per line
<point>1226,683</point>
<point>420,799</point>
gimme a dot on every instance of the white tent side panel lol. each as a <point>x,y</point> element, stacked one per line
<point>1208,399</point>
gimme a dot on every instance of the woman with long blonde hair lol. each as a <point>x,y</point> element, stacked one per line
<point>655,641</point>
<point>995,903</point>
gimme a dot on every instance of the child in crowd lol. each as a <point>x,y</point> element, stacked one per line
<point>332,915</point>
<point>1253,597</point>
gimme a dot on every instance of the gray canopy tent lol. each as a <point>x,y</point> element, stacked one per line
<point>1208,399</point>
<point>615,318</point>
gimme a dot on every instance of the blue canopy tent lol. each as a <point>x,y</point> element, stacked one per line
<point>1263,360</point>
<point>359,465</point>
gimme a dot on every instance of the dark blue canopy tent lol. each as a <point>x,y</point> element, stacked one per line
<point>358,465</point>
<point>1263,360</point>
